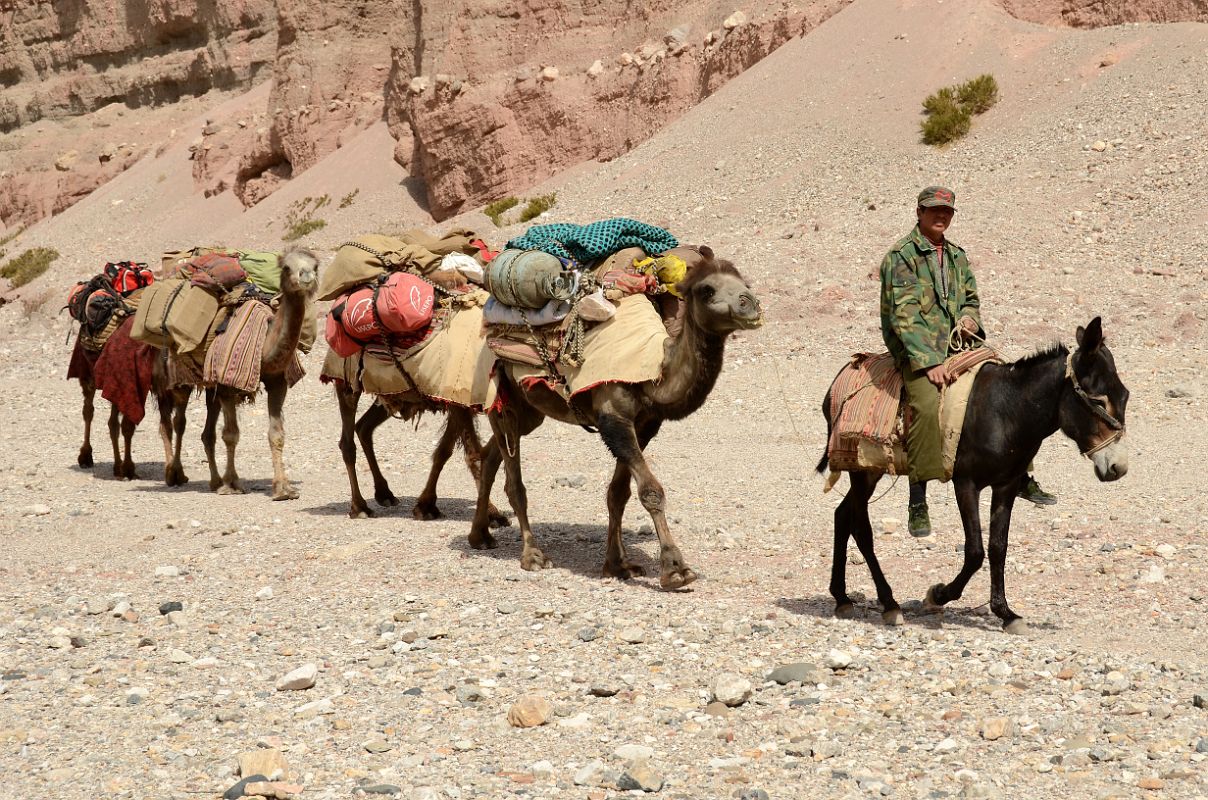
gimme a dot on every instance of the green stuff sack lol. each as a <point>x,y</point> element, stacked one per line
<point>357,262</point>
<point>263,269</point>
<point>151,319</point>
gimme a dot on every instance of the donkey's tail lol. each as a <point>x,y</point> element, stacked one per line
<point>822,462</point>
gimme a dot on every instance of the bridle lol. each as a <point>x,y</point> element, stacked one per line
<point>1096,409</point>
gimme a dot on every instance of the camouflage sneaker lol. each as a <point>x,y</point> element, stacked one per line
<point>920,520</point>
<point>1032,492</point>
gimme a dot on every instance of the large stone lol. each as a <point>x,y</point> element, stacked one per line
<point>65,162</point>
<point>799,672</point>
<point>735,20</point>
<point>301,678</point>
<point>994,727</point>
<point>730,689</point>
<point>641,776</point>
<point>267,763</point>
<point>634,752</point>
<point>530,711</point>
<point>837,659</point>
<point>590,774</point>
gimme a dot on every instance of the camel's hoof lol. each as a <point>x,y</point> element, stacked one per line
<point>533,560</point>
<point>285,494</point>
<point>386,499</point>
<point>85,458</point>
<point>363,513</point>
<point>1016,627</point>
<point>175,477</point>
<point>481,540</point>
<point>845,611</point>
<point>624,571</point>
<point>893,617</point>
<point>426,512</point>
<point>215,484</point>
<point>930,606</point>
<point>678,579</point>
<point>497,519</point>
<point>228,489</point>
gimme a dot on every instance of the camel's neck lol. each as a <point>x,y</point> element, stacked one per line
<point>691,363</point>
<point>283,333</point>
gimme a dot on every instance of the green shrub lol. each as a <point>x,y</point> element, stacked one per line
<point>496,210</point>
<point>949,112</point>
<point>978,94</point>
<point>300,219</point>
<point>29,265</point>
<point>946,126</point>
<point>346,201</point>
<point>538,206</point>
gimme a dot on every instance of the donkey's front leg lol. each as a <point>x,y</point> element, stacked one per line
<point>1002,500</point>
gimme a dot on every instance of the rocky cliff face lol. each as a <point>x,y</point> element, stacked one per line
<point>483,97</point>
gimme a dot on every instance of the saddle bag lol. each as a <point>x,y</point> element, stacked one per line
<point>368,258</point>
<point>151,319</point>
<point>400,303</point>
<point>128,276</point>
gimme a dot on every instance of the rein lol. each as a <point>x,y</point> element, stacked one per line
<point>1096,409</point>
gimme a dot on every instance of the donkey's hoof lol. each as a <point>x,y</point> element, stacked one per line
<point>426,511</point>
<point>930,605</point>
<point>482,540</point>
<point>85,458</point>
<point>386,498</point>
<point>678,578</point>
<point>1016,627</point>
<point>845,610</point>
<point>359,513</point>
<point>533,560</point>
<point>893,617</point>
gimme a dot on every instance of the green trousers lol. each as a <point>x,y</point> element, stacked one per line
<point>924,444</point>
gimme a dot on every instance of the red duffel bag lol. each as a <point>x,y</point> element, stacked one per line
<point>401,303</point>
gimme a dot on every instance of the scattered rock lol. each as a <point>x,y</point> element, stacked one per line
<point>641,776</point>
<point>634,752</point>
<point>301,678</point>
<point>170,606</point>
<point>240,788</point>
<point>604,689</point>
<point>730,689</point>
<point>261,763</point>
<point>993,728</point>
<point>177,656</point>
<point>469,693</point>
<point>837,659</point>
<point>735,20</point>
<point>530,711</point>
<point>590,774</point>
<point>276,789</point>
<point>596,69</point>
<point>633,635</point>
<point>377,746</point>
<point>265,593</point>
<point>799,672</point>
<point>588,634</point>
<point>549,74</point>
<point>167,572</point>
<point>1099,146</point>
<point>380,788</point>
<point>890,525</point>
<point>65,162</point>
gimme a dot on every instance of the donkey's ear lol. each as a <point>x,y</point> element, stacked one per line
<point>1091,337</point>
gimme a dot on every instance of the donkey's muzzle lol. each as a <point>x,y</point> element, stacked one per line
<point>1111,463</point>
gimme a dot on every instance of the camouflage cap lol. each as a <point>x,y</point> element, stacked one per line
<point>934,196</point>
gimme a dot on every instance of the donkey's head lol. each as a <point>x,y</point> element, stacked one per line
<point>1092,411</point>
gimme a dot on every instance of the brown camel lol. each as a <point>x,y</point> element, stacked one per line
<point>459,428</point>
<point>137,361</point>
<point>718,303</point>
<point>299,281</point>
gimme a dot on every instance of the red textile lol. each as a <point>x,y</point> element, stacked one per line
<point>123,372</point>
<point>82,363</point>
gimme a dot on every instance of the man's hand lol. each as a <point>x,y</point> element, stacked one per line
<point>939,375</point>
<point>968,326</point>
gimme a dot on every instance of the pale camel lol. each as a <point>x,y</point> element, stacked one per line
<point>718,302</point>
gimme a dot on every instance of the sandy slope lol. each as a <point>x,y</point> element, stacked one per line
<point>801,145</point>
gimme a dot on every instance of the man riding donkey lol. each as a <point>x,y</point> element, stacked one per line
<point>928,300</point>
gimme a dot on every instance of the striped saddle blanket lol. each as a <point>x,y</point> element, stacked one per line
<point>869,419</point>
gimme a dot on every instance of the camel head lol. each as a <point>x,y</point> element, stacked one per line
<point>299,271</point>
<point>719,300</point>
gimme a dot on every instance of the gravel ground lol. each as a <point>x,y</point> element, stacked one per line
<point>423,649</point>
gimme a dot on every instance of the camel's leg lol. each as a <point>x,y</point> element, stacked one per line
<point>115,427</point>
<point>209,437</point>
<point>619,434</point>
<point>127,426</point>
<point>369,422</point>
<point>509,428</point>
<point>230,437</point>
<point>88,389</point>
<point>480,529</point>
<point>967,501</point>
<point>425,504</point>
<point>180,402</point>
<point>164,399</point>
<point>616,563</point>
<point>471,447</point>
<point>348,398</point>
<point>848,522</point>
<point>276,388</point>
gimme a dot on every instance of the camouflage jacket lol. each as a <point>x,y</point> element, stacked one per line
<point>916,316</point>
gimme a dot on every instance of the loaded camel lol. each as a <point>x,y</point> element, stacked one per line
<point>718,302</point>
<point>1012,409</point>
<point>459,428</point>
<point>299,280</point>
